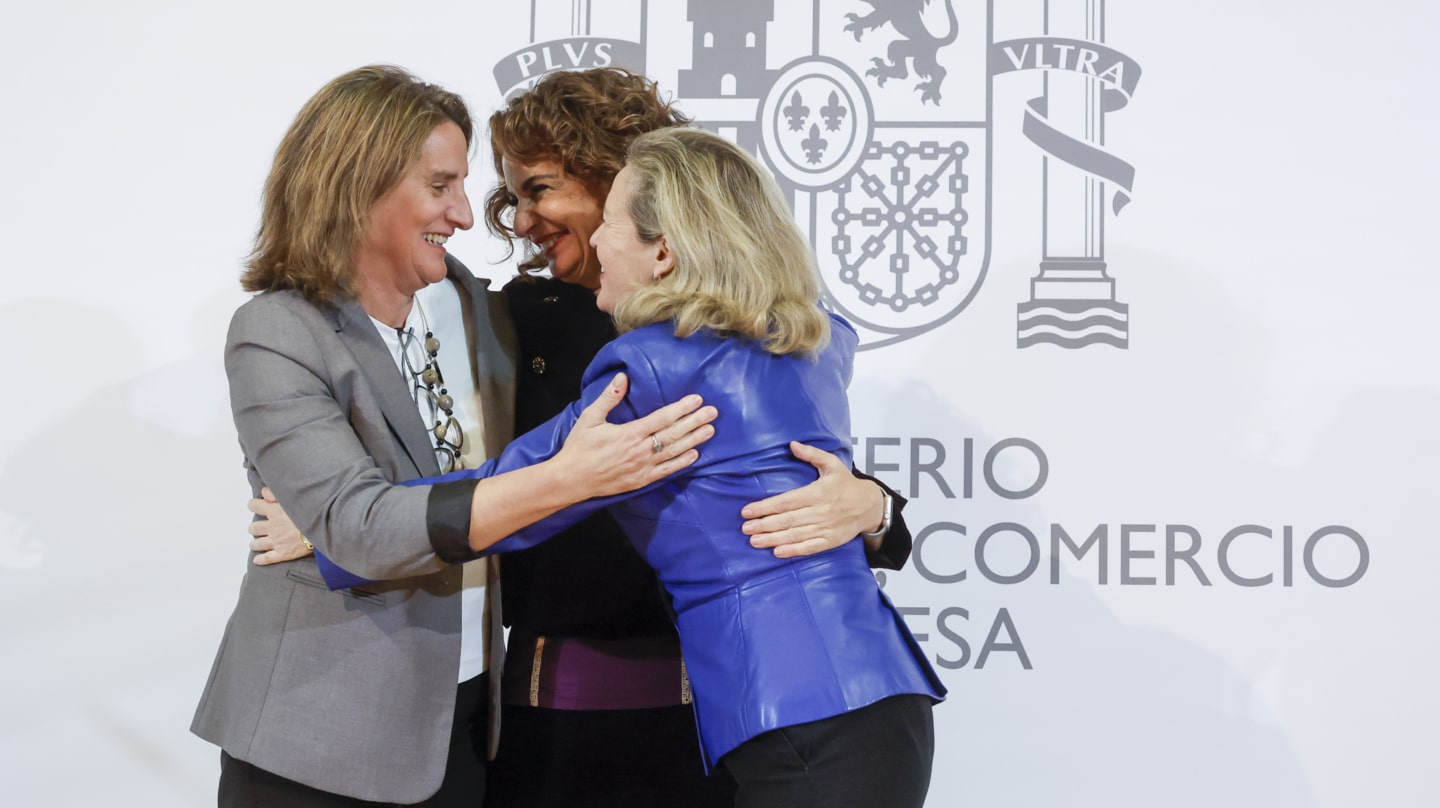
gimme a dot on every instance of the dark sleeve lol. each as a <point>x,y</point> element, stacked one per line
<point>895,546</point>
<point>448,518</point>
<point>448,515</point>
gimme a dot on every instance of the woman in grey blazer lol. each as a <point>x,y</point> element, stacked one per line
<point>351,697</point>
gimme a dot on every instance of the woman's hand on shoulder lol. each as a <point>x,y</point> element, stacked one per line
<point>607,459</point>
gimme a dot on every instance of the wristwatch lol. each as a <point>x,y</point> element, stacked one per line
<point>884,523</point>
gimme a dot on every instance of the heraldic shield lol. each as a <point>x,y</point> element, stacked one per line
<point>873,115</point>
<point>902,232</point>
<point>876,124</point>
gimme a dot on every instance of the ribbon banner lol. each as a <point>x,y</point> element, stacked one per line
<point>1117,74</point>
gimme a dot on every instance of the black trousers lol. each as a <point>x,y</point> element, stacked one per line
<point>245,786</point>
<point>875,757</point>
<point>646,758</point>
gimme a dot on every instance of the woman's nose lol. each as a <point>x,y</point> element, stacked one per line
<point>461,214</point>
<point>524,220</point>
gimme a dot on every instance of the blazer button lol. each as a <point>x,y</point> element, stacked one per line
<point>550,299</point>
<point>538,365</point>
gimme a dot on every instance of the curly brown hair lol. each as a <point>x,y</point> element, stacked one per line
<point>350,143</point>
<point>584,120</point>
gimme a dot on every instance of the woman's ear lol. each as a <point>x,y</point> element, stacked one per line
<point>664,260</point>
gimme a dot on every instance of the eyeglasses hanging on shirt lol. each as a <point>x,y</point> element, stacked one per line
<point>420,358</point>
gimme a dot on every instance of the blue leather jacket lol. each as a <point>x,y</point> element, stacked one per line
<point>768,642</point>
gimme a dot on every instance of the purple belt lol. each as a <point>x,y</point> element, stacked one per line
<point>568,673</point>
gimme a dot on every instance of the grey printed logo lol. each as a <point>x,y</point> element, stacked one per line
<point>888,176</point>
<point>1072,299</point>
<point>918,45</point>
<point>560,39</point>
<point>875,118</point>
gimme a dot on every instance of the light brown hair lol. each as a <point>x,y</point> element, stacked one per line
<point>351,142</point>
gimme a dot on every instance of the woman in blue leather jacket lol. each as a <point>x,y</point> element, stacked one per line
<point>807,686</point>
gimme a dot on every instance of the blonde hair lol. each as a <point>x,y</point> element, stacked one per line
<point>351,142</point>
<point>742,267</point>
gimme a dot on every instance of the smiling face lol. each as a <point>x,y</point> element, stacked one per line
<point>627,262</point>
<point>557,213</point>
<point>403,247</point>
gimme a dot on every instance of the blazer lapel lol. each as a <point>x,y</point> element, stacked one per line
<point>492,366</point>
<point>392,391</point>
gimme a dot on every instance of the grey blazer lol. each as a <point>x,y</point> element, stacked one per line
<point>350,692</point>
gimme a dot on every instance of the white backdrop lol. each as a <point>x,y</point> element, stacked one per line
<point>1270,285</point>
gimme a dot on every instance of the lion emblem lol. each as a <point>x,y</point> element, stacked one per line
<point>919,45</point>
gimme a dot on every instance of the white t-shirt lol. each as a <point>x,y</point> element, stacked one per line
<point>438,305</point>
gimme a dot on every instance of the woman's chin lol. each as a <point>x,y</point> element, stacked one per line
<point>604,302</point>
<point>580,275</point>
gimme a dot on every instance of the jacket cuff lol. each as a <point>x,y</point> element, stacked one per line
<point>447,516</point>
<point>895,547</point>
